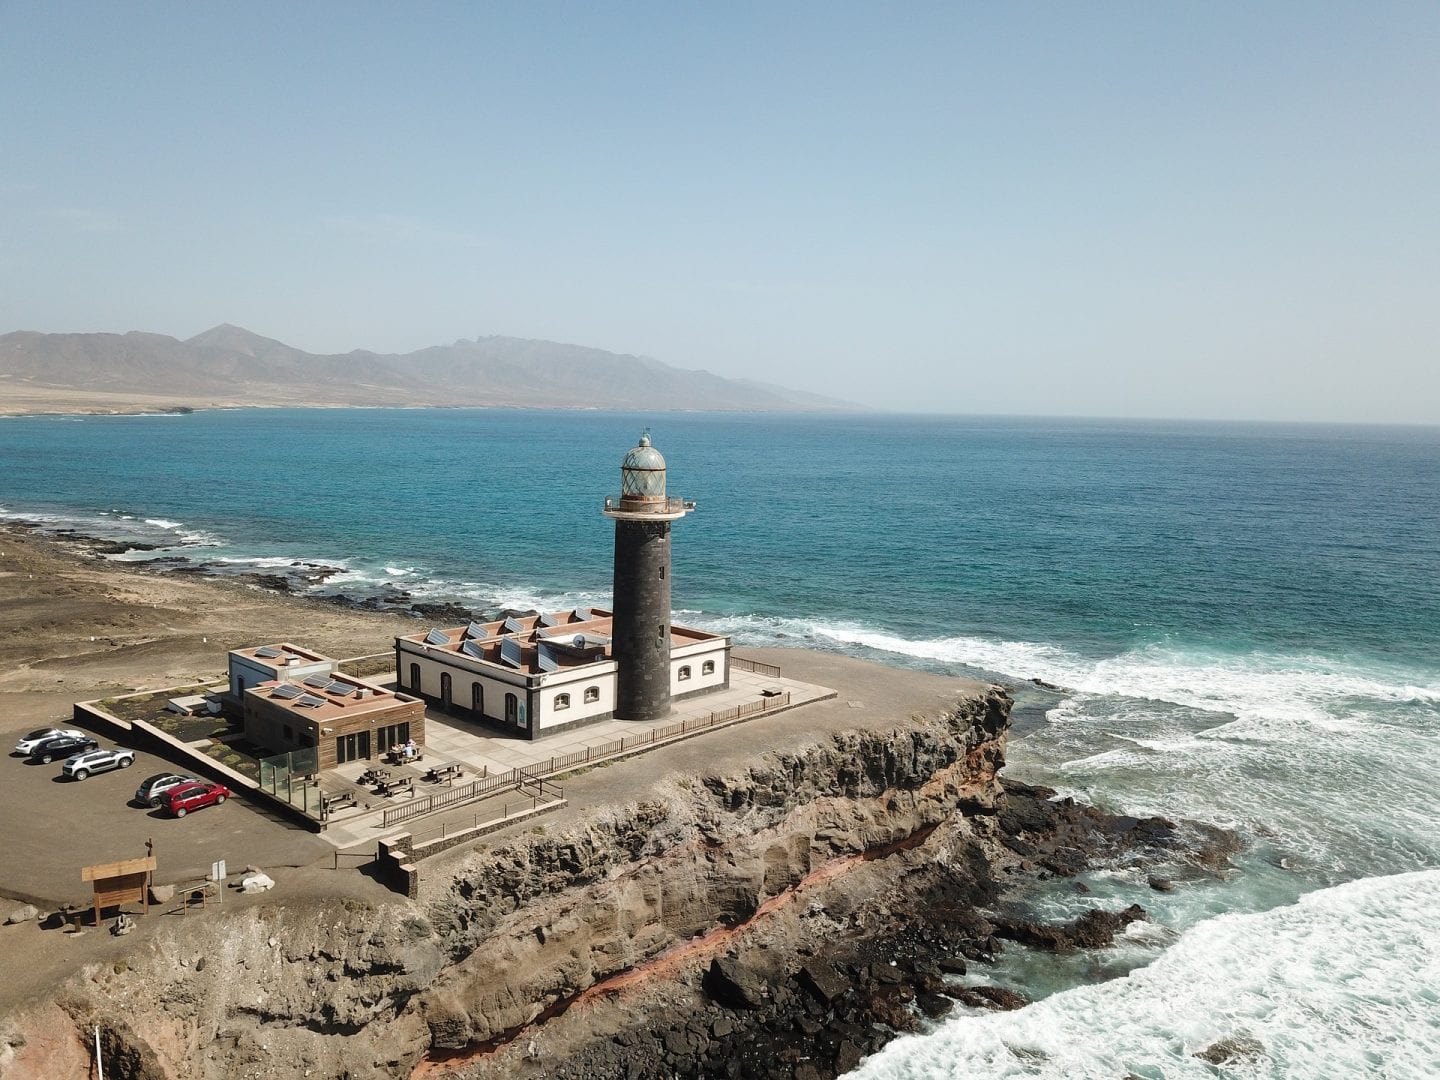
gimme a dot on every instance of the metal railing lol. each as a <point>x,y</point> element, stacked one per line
<point>756,666</point>
<point>536,774</point>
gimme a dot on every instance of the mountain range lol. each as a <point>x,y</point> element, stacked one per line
<point>230,366</point>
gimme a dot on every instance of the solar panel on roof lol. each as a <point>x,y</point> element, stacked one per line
<point>286,691</point>
<point>310,701</point>
<point>437,637</point>
<point>267,652</point>
<point>582,614</point>
<point>318,681</point>
<point>512,625</point>
<point>511,653</point>
<point>547,660</point>
<point>549,620</point>
<point>338,687</point>
<point>469,648</point>
<point>476,630</point>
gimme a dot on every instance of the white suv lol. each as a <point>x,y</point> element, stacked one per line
<point>35,738</point>
<point>82,765</point>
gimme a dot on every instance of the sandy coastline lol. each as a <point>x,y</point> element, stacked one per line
<point>74,626</point>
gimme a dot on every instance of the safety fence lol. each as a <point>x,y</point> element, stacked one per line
<point>562,763</point>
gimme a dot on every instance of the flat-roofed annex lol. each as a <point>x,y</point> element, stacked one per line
<point>347,696</point>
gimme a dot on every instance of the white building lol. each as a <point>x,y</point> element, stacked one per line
<point>539,674</point>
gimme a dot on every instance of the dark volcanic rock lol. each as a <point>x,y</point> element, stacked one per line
<point>1093,930</point>
<point>823,981</point>
<point>732,982</point>
<point>991,997</point>
<point>934,1005</point>
<point>1236,1048</point>
<point>443,613</point>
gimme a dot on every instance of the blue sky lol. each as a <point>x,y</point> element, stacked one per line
<point>1206,210</point>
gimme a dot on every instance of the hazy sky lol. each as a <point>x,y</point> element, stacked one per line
<point>1159,209</point>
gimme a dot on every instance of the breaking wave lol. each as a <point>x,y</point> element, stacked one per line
<point>1345,983</point>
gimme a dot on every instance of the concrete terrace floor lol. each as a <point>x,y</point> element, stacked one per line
<point>481,751</point>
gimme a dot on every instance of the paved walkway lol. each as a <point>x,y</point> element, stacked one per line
<point>481,752</point>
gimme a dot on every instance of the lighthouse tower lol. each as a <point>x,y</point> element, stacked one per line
<point>641,636</point>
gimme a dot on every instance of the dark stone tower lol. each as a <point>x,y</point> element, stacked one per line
<point>641,641</point>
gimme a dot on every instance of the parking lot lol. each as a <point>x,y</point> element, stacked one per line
<point>53,826</point>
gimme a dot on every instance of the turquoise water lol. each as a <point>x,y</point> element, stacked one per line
<point>1245,619</point>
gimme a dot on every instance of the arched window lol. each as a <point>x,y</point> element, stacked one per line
<point>477,699</point>
<point>592,693</point>
<point>415,677</point>
<point>707,668</point>
<point>445,690</point>
<point>684,672</point>
<point>562,701</point>
<point>512,709</point>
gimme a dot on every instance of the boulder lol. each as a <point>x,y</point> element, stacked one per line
<point>28,913</point>
<point>732,982</point>
<point>934,1005</point>
<point>822,980</point>
<point>256,882</point>
<point>162,894</point>
<point>991,997</point>
<point>1235,1049</point>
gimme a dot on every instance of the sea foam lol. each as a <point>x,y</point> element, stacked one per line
<point>1343,984</point>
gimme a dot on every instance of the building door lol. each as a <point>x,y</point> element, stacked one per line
<point>352,747</point>
<point>445,690</point>
<point>415,678</point>
<point>477,700</point>
<point>512,710</point>
<point>392,735</point>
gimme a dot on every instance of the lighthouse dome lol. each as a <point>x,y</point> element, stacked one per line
<point>642,472</point>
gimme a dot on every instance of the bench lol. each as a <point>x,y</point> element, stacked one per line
<point>390,787</point>
<point>444,772</point>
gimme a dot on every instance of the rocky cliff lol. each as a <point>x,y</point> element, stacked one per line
<point>521,956</point>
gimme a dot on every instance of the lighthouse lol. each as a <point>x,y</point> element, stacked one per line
<point>640,642</point>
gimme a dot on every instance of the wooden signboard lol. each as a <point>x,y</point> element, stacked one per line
<point>124,882</point>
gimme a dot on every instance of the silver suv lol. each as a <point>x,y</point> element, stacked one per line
<point>152,792</point>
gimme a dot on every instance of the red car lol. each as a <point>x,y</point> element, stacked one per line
<point>181,800</point>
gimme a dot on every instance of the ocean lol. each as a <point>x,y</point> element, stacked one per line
<point>1243,619</point>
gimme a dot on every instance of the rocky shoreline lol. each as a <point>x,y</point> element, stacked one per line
<point>298,578</point>
<point>812,1002</point>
